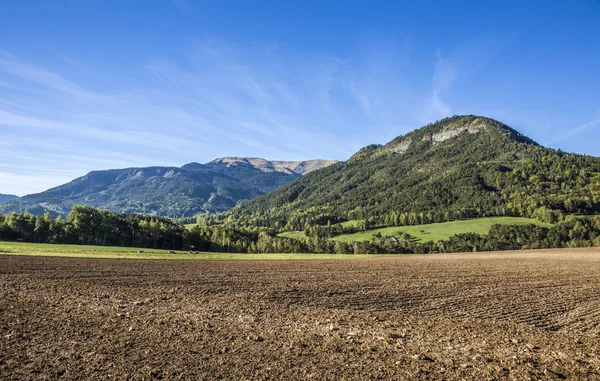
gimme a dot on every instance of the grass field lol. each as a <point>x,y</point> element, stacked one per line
<point>83,251</point>
<point>439,231</point>
<point>293,235</point>
<point>189,226</point>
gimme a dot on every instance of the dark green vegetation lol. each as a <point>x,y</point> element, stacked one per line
<point>167,191</point>
<point>6,198</point>
<point>460,167</point>
<point>89,226</point>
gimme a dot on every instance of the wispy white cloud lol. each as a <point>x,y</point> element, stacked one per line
<point>12,65</point>
<point>361,97</point>
<point>443,76</point>
<point>181,4</point>
<point>575,131</point>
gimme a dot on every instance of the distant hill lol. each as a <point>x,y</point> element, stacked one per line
<point>6,197</point>
<point>168,191</point>
<point>288,167</point>
<point>460,167</point>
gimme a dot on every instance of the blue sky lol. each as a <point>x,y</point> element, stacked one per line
<point>98,84</point>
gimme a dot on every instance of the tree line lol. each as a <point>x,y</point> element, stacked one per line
<point>90,226</point>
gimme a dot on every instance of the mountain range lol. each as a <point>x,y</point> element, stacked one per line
<point>459,167</point>
<point>168,191</point>
<point>6,197</point>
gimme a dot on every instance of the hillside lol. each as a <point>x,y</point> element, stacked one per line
<point>6,198</point>
<point>166,191</point>
<point>457,168</point>
<point>440,231</point>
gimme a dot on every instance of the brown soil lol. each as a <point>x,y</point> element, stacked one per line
<point>526,315</point>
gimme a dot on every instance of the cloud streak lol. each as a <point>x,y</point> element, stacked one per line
<point>575,131</point>
<point>443,76</point>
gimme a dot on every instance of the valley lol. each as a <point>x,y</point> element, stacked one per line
<point>299,190</point>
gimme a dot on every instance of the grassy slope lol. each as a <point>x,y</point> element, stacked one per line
<point>433,232</point>
<point>444,230</point>
<point>82,251</point>
<point>293,235</point>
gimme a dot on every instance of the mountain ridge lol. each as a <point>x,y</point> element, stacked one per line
<point>7,197</point>
<point>439,132</point>
<point>301,167</point>
<point>164,190</point>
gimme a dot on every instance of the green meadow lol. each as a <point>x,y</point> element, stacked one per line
<point>293,235</point>
<point>87,251</point>
<point>430,232</point>
<point>443,230</point>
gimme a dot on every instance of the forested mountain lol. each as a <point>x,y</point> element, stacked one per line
<point>6,197</point>
<point>167,191</point>
<point>459,167</point>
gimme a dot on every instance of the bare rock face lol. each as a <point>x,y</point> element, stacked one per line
<point>288,167</point>
<point>398,147</point>
<point>304,167</point>
<point>454,129</point>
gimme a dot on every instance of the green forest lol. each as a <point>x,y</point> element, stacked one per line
<point>90,226</point>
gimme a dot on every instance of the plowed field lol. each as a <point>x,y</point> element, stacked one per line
<point>523,315</point>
